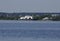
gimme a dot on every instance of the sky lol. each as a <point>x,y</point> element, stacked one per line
<point>29,5</point>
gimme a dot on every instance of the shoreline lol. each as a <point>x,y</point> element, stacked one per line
<point>27,21</point>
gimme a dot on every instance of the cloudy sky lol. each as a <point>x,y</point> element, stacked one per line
<point>29,5</point>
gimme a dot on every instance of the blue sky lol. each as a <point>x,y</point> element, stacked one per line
<point>29,5</point>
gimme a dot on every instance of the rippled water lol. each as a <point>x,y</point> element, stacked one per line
<point>29,30</point>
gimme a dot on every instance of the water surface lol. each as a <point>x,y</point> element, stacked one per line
<point>13,30</point>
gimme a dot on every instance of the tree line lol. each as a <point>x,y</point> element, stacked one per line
<point>36,16</point>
